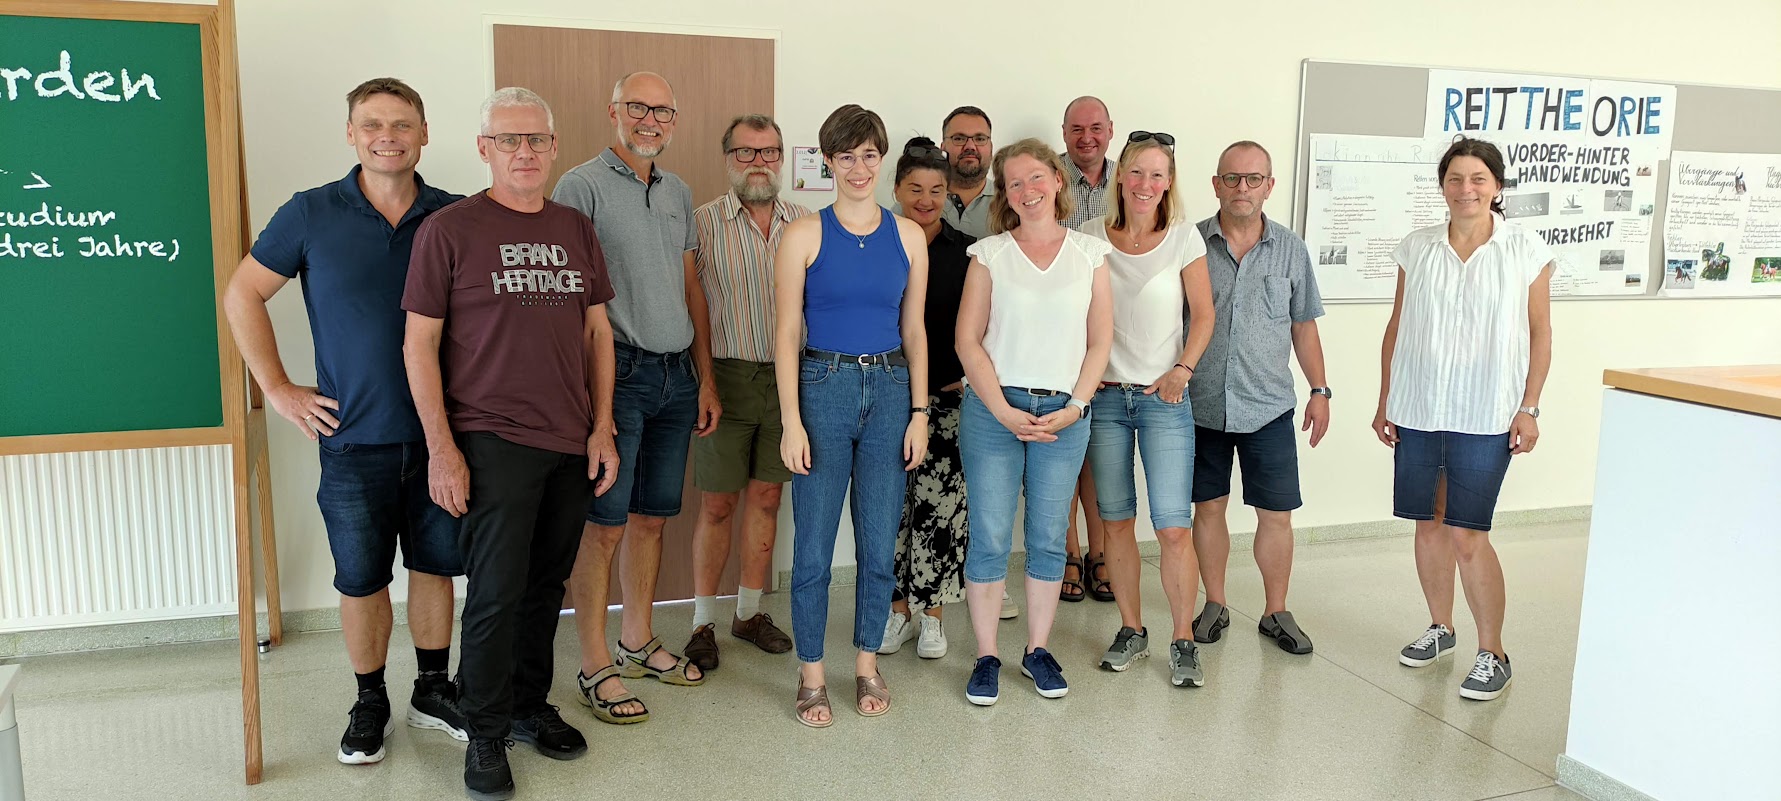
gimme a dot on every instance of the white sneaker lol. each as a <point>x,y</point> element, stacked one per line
<point>1010,609</point>
<point>932,644</point>
<point>897,630</point>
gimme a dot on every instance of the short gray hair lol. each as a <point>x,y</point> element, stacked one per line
<point>516,97</point>
<point>758,122</point>
<point>618,89</point>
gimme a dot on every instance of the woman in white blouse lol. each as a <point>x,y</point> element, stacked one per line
<point>1158,267</point>
<point>1034,328</point>
<point>1465,357</point>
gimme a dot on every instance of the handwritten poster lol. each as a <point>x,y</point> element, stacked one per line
<point>1722,227</point>
<point>1588,112</point>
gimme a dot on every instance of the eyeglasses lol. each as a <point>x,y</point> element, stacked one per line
<point>747,154</point>
<point>959,140</point>
<point>846,160</point>
<point>1254,179</point>
<point>920,152</point>
<point>638,111</point>
<point>509,142</point>
<point>1166,140</point>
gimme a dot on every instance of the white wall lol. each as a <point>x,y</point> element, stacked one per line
<point>1209,78</point>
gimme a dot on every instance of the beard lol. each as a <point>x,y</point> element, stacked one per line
<point>968,175</point>
<point>749,192</point>
<point>648,150</point>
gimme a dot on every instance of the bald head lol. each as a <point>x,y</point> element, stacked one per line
<point>653,80</point>
<point>1087,130</point>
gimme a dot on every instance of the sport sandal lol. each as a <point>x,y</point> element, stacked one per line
<point>588,685</point>
<point>635,665</point>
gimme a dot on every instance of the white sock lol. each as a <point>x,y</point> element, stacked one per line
<point>748,603</point>
<point>704,607</point>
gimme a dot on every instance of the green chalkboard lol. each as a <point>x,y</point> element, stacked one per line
<point>107,281</point>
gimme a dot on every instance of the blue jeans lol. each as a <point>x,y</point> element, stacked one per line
<point>1474,465</point>
<point>373,499</point>
<point>998,467</point>
<point>655,404</point>
<point>1164,435</point>
<point>854,416</point>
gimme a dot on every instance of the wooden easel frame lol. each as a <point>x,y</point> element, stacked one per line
<point>244,418</point>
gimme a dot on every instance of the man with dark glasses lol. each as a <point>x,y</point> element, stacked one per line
<point>1267,303</point>
<point>664,391</point>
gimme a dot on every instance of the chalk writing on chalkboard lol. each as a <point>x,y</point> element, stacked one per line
<point>97,85</point>
<point>27,246</point>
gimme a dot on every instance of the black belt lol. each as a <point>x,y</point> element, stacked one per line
<point>1041,393</point>
<point>892,357</point>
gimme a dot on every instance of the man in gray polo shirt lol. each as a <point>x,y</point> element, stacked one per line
<point>965,137</point>
<point>1087,171</point>
<point>643,218</point>
<point>1266,299</point>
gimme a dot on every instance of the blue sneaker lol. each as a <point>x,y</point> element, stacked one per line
<point>1047,675</point>
<point>982,690</point>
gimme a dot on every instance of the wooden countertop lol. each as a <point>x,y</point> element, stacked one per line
<point>1755,389</point>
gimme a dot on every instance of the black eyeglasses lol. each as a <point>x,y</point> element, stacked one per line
<point>1254,179</point>
<point>509,142</point>
<point>922,152</point>
<point>1166,140</point>
<point>747,154</point>
<point>638,111</point>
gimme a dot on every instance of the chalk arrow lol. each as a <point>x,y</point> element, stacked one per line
<point>41,184</point>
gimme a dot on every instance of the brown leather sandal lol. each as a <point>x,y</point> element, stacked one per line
<point>873,687</point>
<point>809,699</point>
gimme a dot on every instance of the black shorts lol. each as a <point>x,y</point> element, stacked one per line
<point>1270,458</point>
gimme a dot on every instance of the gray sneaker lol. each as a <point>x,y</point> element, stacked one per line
<point>1184,664</point>
<point>1435,643</point>
<point>1129,645</point>
<point>1210,624</point>
<point>1488,679</point>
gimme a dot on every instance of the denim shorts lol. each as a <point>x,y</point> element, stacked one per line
<point>1473,463</point>
<point>655,404</point>
<point>1270,459</point>
<point>1163,435</point>
<point>374,500</point>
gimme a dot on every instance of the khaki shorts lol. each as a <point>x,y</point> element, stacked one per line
<point>746,443</point>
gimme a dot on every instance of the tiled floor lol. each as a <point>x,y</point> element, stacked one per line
<point>1345,723</point>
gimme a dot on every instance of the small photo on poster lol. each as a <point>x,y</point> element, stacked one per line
<point>1533,204</point>
<point>1618,200</point>
<point>1647,209</point>
<point>1332,254</point>
<point>1326,176</point>
<point>1572,204</point>
<point>1715,265</point>
<point>1679,273</point>
<point>1634,279</point>
<point>1766,270</point>
<point>1612,260</point>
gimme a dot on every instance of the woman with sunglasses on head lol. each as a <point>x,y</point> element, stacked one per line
<point>851,351</point>
<point>931,545</point>
<point>1158,267</point>
<point>1464,359</point>
<point>1034,328</point>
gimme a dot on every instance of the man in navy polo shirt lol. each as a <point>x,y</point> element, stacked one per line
<point>349,242</point>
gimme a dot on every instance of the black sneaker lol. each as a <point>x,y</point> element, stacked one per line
<point>487,776</point>
<point>545,730</point>
<point>434,705</point>
<point>367,724</point>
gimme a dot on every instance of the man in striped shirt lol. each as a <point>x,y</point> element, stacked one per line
<point>738,234</point>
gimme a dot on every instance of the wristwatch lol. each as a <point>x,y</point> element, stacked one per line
<point>1324,391</point>
<point>927,410</point>
<point>1531,411</point>
<point>1081,406</point>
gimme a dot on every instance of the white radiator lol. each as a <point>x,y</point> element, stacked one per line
<point>115,537</point>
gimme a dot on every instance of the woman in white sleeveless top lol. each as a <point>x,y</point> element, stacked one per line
<point>1158,267</point>
<point>1034,328</point>
<point>1465,357</point>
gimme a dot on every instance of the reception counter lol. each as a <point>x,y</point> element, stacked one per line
<point>1677,694</point>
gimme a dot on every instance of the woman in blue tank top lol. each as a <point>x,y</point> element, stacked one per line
<point>850,287</point>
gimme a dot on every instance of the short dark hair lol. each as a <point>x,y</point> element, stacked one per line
<point>758,122</point>
<point>384,86</point>
<point>849,127</point>
<point>907,163</point>
<point>966,111</point>
<point>1482,151</point>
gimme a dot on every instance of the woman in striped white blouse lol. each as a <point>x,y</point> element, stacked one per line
<point>1465,357</point>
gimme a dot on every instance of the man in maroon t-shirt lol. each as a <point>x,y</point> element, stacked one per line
<point>509,355</point>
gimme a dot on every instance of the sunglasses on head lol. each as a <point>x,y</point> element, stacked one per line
<point>923,152</point>
<point>1166,140</point>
